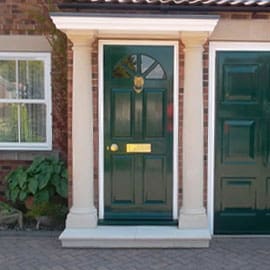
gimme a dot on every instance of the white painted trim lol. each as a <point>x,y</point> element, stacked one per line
<point>94,22</point>
<point>18,101</point>
<point>24,43</point>
<point>175,130</point>
<point>174,44</point>
<point>213,48</point>
<point>47,100</point>
<point>48,97</point>
<point>101,129</point>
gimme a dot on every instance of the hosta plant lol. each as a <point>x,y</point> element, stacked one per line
<point>43,180</point>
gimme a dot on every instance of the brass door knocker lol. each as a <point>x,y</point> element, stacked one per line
<point>138,84</point>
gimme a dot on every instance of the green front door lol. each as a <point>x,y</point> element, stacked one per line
<point>138,129</point>
<point>242,166</point>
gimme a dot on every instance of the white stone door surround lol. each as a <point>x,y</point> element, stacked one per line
<point>81,225</point>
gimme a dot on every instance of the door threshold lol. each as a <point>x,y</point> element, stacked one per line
<point>135,237</point>
<point>241,236</point>
<point>111,222</point>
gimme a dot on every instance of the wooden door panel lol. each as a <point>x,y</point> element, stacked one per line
<point>121,113</point>
<point>155,117</point>
<point>154,180</point>
<point>238,193</point>
<point>240,82</point>
<point>238,141</point>
<point>123,182</point>
<point>242,143</point>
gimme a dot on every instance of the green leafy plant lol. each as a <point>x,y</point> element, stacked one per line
<point>44,179</point>
<point>10,215</point>
<point>6,209</point>
<point>51,209</point>
<point>48,213</point>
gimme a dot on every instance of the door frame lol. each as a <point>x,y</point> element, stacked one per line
<point>214,47</point>
<point>101,44</point>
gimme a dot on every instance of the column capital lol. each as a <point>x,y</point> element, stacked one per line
<point>194,39</point>
<point>81,38</point>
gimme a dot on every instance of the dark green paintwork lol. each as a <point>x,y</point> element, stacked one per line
<point>138,186</point>
<point>242,167</point>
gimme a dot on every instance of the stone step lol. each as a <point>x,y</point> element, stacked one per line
<point>135,237</point>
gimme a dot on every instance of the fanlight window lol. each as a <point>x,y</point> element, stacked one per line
<point>139,64</point>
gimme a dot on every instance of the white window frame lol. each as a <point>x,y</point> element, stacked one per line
<point>47,101</point>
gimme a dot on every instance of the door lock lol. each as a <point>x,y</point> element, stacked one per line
<point>113,148</point>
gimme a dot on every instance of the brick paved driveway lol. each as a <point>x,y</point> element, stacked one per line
<point>43,252</point>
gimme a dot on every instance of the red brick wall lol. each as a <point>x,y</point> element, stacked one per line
<point>20,17</point>
<point>180,120</point>
<point>95,115</point>
<point>69,118</point>
<point>205,115</point>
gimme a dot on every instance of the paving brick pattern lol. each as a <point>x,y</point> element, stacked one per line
<point>43,252</point>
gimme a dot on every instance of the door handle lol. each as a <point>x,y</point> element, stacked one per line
<point>113,148</point>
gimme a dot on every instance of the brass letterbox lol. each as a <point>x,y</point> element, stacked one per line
<point>138,148</point>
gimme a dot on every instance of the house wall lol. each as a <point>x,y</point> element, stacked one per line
<point>22,19</point>
<point>242,27</point>
<point>27,18</point>
<point>231,27</point>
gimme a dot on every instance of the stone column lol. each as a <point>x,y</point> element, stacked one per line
<point>83,213</point>
<point>193,214</point>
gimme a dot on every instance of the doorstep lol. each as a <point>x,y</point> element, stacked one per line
<point>135,237</point>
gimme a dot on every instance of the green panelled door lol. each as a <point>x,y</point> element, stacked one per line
<point>242,169</point>
<point>138,126</point>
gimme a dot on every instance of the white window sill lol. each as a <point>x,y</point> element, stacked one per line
<point>25,155</point>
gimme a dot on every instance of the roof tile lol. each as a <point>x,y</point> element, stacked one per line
<point>191,2</point>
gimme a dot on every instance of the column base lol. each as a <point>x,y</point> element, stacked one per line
<point>81,218</point>
<point>193,219</point>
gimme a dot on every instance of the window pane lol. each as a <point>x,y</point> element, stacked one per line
<point>31,79</point>
<point>8,123</point>
<point>125,67</point>
<point>7,79</point>
<point>146,62</point>
<point>156,73</point>
<point>23,107</point>
<point>33,122</point>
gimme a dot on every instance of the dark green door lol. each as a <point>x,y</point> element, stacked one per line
<point>242,169</point>
<point>138,126</point>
